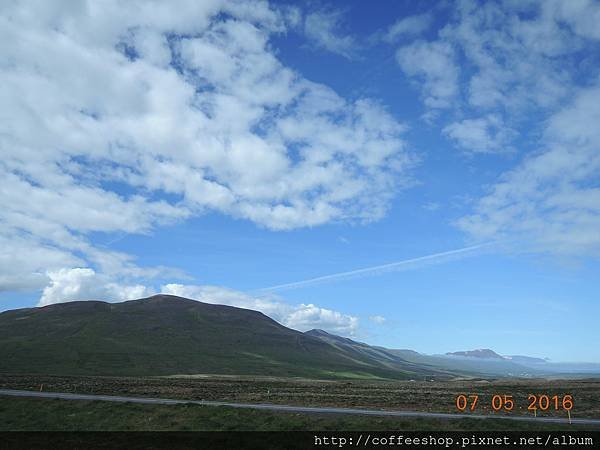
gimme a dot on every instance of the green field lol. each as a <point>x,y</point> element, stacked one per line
<point>24,414</point>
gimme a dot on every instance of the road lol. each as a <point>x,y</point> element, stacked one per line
<point>286,408</point>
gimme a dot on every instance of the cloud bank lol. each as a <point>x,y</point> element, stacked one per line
<point>127,116</point>
<point>520,79</point>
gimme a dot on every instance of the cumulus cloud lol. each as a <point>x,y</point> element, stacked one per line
<point>487,134</point>
<point>302,317</point>
<point>85,284</point>
<point>24,262</point>
<point>434,64</point>
<point>582,16</point>
<point>126,116</point>
<point>512,59</point>
<point>411,25</point>
<point>551,201</point>
<point>516,76</point>
<point>504,60</point>
<point>323,30</point>
<point>379,320</point>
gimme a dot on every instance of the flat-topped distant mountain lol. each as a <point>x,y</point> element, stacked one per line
<point>485,353</point>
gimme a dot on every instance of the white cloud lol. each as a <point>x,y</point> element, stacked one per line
<point>323,29</point>
<point>379,320</point>
<point>411,25</point>
<point>527,83</point>
<point>306,317</point>
<point>582,16</point>
<point>551,201</point>
<point>433,63</point>
<point>24,262</point>
<point>131,115</point>
<point>487,134</point>
<point>85,284</point>
<point>302,317</point>
<point>512,59</point>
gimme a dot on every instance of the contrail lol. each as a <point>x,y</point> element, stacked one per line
<point>375,270</point>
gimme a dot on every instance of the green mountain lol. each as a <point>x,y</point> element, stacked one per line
<point>165,335</point>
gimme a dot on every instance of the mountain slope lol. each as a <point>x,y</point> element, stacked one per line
<point>164,335</point>
<point>472,363</point>
<point>385,357</point>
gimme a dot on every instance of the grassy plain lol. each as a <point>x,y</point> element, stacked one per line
<point>33,414</point>
<point>432,396</point>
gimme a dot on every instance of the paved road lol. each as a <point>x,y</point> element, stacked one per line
<point>301,409</point>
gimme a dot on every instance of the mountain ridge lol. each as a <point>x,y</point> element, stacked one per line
<point>170,335</point>
<point>165,335</point>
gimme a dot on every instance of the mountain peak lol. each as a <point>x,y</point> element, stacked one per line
<point>160,298</point>
<point>318,332</point>
<point>478,353</point>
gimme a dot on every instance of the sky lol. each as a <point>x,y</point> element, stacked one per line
<point>421,175</point>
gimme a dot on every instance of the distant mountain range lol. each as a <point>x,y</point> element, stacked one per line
<point>167,335</point>
<point>486,353</point>
<point>489,361</point>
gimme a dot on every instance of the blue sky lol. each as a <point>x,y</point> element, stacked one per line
<point>217,150</point>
